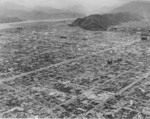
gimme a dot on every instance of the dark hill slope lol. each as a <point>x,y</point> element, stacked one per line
<point>102,22</point>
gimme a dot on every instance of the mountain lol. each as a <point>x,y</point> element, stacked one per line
<point>12,5</point>
<point>104,10</point>
<point>5,19</point>
<point>76,8</point>
<point>36,13</point>
<point>53,13</point>
<point>139,7</point>
<point>103,22</point>
<point>47,9</point>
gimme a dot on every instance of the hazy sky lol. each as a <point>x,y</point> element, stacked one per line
<point>88,5</point>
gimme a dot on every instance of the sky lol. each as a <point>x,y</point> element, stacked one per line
<point>89,6</point>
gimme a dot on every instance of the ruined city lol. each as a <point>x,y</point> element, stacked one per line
<point>57,69</point>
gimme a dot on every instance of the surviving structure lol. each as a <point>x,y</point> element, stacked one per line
<point>145,36</point>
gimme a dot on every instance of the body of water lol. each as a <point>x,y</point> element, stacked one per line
<point>13,25</point>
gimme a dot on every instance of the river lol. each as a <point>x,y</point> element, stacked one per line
<point>13,25</point>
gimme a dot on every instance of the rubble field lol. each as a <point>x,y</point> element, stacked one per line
<point>51,70</point>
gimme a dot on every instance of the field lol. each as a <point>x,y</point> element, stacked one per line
<point>50,70</point>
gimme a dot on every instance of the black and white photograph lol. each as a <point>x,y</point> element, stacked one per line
<point>75,59</point>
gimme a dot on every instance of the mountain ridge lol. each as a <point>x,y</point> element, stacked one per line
<point>36,13</point>
<point>138,7</point>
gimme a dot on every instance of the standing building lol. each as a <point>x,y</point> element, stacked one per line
<point>145,36</point>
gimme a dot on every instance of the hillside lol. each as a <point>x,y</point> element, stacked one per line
<point>139,7</point>
<point>102,22</point>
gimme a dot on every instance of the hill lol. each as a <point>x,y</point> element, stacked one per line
<point>103,22</point>
<point>138,7</point>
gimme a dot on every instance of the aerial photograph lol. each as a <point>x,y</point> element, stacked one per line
<point>75,59</point>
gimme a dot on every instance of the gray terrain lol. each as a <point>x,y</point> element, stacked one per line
<point>49,69</point>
